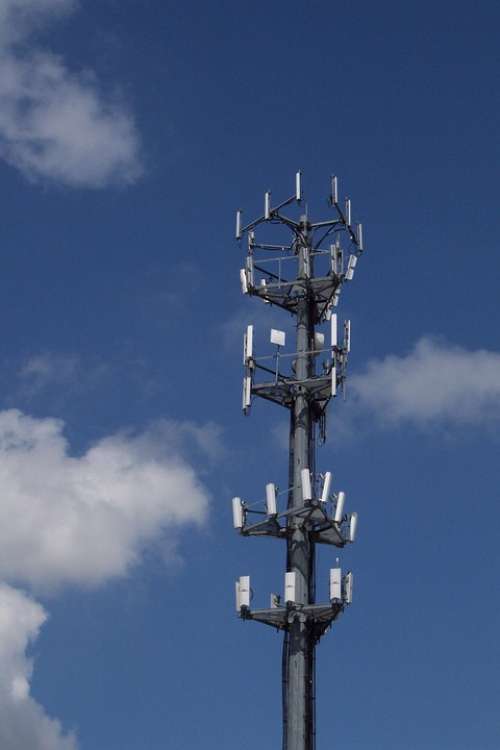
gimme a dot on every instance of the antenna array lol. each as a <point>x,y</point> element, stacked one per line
<point>303,275</point>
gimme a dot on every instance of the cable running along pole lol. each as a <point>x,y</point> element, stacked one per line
<point>301,271</point>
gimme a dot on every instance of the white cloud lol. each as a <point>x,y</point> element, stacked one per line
<point>86,519</point>
<point>80,520</point>
<point>23,723</point>
<point>54,124</point>
<point>435,383</point>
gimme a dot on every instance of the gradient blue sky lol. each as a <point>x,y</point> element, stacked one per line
<point>120,306</point>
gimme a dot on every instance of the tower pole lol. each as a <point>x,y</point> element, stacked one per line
<point>299,645</point>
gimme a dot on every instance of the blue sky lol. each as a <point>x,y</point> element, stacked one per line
<point>129,134</point>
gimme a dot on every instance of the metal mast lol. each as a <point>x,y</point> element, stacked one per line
<point>304,276</point>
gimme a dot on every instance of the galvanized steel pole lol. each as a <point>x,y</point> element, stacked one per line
<point>299,666</point>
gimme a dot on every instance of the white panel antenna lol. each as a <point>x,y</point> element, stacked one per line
<point>242,592</point>
<point>333,263</point>
<point>333,327</point>
<point>337,258</point>
<point>247,392</point>
<point>348,582</point>
<point>298,186</point>
<point>271,502</point>
<point>248,345</point>
<point>243,281</point>
<point>351,265</point>
<point>339,509</point>
<point>237,513</point>
<point>237,595</point>
<point>347,335</point>
<point>267,205</point>
<point>360,237</point>
<point>319,340</point>
<point>353,527</point>
<point>327,482</point>
<point>335,191</point>
<point>290,592</point>
<point>305,478</point>
<point>249,266</point>
<point>334,381</point>
<point>278,337</point>
<point>335,584</point>
<point>348,211</point>
<point>238,224</point>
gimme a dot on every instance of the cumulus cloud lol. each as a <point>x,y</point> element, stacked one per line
<point>23,723</point>
<point>67,519</point>
<point>435,383</point>
<point>85,519</point>
<point>54,124</point>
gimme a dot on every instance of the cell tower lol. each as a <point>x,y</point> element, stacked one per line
<point>305,278</point>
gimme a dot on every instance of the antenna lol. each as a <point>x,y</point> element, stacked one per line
<point>243,281</point>
<point>271,504</point>
<point>247,393</point>
<point>351,265</point>
<point>360,237</point>
<point>339,509</point>
<point>242,592</point>
<point>278,337</point>
<point>347,336</point>
<point>337,259</point>
<point>298,186</point>
<point>348,581</point>
<point>319,340</point>
<point>290,585</point>
<point>348,211</point>
<point>326,486</point>
<point>249,270</point>
<point>237,513</point>
<point>299,268</point>
<point>333,328</point>
<point>353,527</point>
<point>335,584</point>
<point>305,476</point>
<point>267,205</point>
<point>335,191</point>
<point>248,345</point>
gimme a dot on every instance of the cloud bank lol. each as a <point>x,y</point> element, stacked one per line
<point>436,383</point>
<point>56,125</point>
<point>84,520</point>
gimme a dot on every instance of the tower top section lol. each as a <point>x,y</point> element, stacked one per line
<point>305,257</point>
